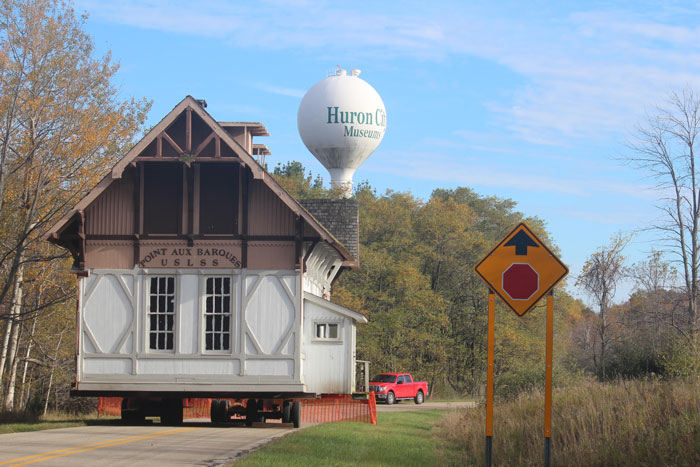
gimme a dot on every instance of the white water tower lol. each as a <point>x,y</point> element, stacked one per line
<point>342,120</point>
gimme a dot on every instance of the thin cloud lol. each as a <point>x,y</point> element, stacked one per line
<point>496,174</point>
<point>214,19</point>
<point>280,90</point>
<point>586,73</point>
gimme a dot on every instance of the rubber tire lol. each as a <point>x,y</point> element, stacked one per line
<point>261,408</point>
<point>286,411</point>
<point>251,412</point>
<point>171,412</point>
<point>215,411</point>
<point>390,398</point>
<point>296,413</point>
<point>225,407</point>
<point>419,397</point>
<point>219,410</point>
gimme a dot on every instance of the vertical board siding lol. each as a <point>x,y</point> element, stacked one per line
<point>327,369</point>
<point>268,215</point>
<point>112,213</point>
<point>269,314</point>
<point>108,313</point>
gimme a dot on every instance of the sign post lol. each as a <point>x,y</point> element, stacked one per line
<point>548,379</point>
<point>489,378</point>
<point>521,270</point>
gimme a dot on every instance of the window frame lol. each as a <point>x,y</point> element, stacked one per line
<point>327,322</point>
<point>146,315</point>
<point>233,313</point>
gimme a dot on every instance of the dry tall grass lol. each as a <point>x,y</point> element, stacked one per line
<point>640,423</point>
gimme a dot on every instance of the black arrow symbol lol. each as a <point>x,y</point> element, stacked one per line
<point>521,241</point>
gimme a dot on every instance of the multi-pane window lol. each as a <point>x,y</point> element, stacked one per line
<point>161,313</point>
<point>328,331</point>
<point>217,313</point>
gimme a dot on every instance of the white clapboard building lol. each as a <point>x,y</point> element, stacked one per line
<point>200,276</point>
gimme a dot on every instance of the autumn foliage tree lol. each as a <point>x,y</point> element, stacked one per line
<point>426,306</point>
<point>62,123</point>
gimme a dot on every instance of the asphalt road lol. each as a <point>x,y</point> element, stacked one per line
<point>194,443</point>
<point>409,406</point>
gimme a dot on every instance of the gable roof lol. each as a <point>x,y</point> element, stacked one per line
<point>244,157</point>
<point>335,308</point>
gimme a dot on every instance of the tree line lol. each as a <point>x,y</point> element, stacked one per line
<point>63,123</point>
<point>427,309</point>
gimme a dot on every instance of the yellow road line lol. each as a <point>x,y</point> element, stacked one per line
<point>90,447</point>
<point>85,445</point>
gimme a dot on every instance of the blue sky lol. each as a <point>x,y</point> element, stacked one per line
<point>531,103</point>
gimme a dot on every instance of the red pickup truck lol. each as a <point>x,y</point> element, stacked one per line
<point>392,387</point>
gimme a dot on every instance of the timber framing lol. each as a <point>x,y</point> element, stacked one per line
<point>160,146</point>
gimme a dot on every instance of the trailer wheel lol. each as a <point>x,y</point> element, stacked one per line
<point>218,411</point>
<point>251,412</point>
<point>214,411</point>
<point>296,413</point>
<point>171,412</point>
<point>286,411</point>
<point>419,397</point>
<point>225,408</point>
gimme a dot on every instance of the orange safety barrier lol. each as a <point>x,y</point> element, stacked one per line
<point>193,408</point>
<point>110,406</point>
<point>327,408</point>
<point>339,407</point>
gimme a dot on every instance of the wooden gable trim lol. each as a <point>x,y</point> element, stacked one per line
<point>206,142</point>
<point>189,105</point>
<point>164,135</point>
<point>188,131</point>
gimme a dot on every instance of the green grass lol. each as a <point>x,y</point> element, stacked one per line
<point>402,438</point>
<point>15,424</point>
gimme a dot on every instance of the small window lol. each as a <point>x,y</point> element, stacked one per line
<point>327,331</point>
<point>217,313</point>
<point>161,313</point>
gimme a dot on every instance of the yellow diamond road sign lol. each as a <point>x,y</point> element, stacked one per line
<point>521,270</point>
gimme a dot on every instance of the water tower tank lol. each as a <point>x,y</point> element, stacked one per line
<point>342,120</point>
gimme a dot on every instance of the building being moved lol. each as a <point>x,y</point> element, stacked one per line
<point>200,276</point>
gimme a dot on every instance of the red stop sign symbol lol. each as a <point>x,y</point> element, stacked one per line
<point>520,281</point>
